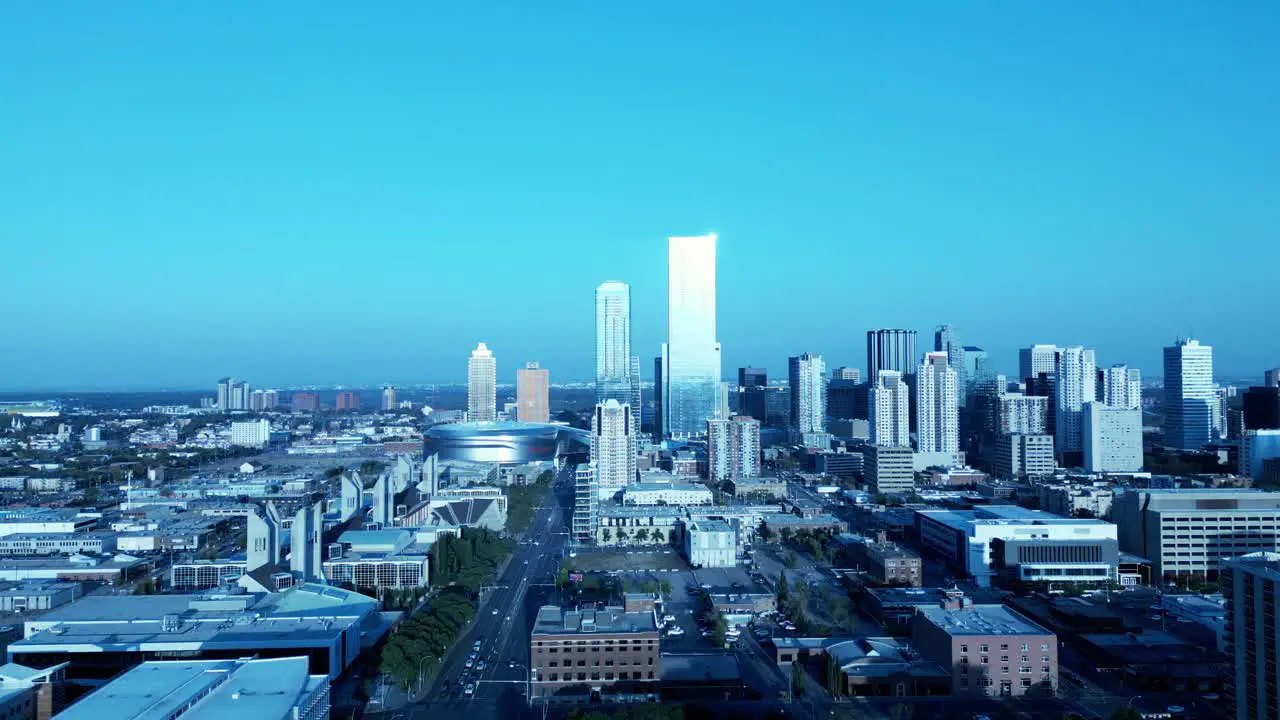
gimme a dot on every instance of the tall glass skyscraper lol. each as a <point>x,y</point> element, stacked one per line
<point>482,385</point>
<point>617,372</point>
<point>691,355</point>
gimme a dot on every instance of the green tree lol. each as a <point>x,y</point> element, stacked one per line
<point>797,678</point>
<point>782,587</point>
<point>789,560</point>
<point>606,535</point>
<point>658,537</point>
<point>765,531</point>
<point>642,536</point>
<point>622,536</point>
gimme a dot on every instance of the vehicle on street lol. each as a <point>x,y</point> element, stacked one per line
<point>469,663</point>
<point>475,646</point>
<point>470,689</point>
<point>480,665</point>
<point>668,618</point>
<point>675,630</point>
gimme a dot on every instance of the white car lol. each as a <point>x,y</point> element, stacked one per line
<point>675,631</point>
<point>668,618</point>
<point>470,689</point>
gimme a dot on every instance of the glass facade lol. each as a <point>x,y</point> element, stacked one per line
<point>617,372</point>
<point>691,355</point>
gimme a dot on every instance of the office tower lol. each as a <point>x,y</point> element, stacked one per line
<point>807,378</point>
<point>532,388</point>
<point>752,377</point>
<point>889,470</point>
<point>659,385</point>
<point>1076,384</point>
<point>1271,378</point>
<point>482,385</point>
<point>224,393</point>
<point>613,447</point>
<point>262,541</point>
<point>1251,584</point>
<point>889,407</point>
<point>890,350</point>
<point>777,406</point>
<point>733,448</point>
<point>1256,448</point>
<point>388,398</point>
<point>976,366</point>
<point>1120,386</point>
<point>722,402</point>
<point>852,374</point>
<point>347,400</point>
<point>1189,395</point>
<point>752,384</point>
<point>1112,438</point>
<point>305,402</point>
<point>692,355</point>
<point>1019,456</point>
<point>614,363</point>
<point>1021,414</point>
<point>1038,359</point>
<point>938,428</point>
<point>1261,408</point>
<point>846,395</point>
<point>636,401</point>
<point>305,560</point>
<point>586,504</point>
<point>946,340</point>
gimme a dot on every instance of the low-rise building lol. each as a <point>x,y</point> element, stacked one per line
<point>711,543</point>
<point>1028,546</point>
<point>31,694</point>
<point>889,563</point>
<point>1024,456</point>
<point>573,653</point>
<point>262,689</point>
<point>990,649</point>
<point>667,493</point>
<point>204,574</point>
<point>36,595</point>
<point>112,570</point>
<point>1076,500</point>
<point>760,488</point>
<point>870,666</point>
<point>44,520</point>
<point>26,544</point>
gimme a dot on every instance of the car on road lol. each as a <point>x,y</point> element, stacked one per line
<point>495,611</point>
<point>669,618</point>
<point>470,689</point>
<point>469,663</point>
<point>675,630</point>
<point>475,646</point>
<point>480,665</point>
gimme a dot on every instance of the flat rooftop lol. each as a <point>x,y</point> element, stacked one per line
<point>981,620</point>
<point>213,690</point>
<point>711,526</point>
<point>1003,515</point>
<point>553,620</point>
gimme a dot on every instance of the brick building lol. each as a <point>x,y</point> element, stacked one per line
<point>581,653</point>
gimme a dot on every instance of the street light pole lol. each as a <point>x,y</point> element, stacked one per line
<point>528,681</point>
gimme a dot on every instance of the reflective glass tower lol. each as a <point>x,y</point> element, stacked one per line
<point>617,373</point>
<point>691,355</point>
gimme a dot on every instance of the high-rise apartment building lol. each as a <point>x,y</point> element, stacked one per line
<point>251,433</point>
<point>733,448</point>
<point>482,385</point>
<point>890,350</point>
<point>388,398</point>
<point>1112,438</point>
<point>586,504</point>
<point>1022,414</point>
<point>1019,456</point>
<point>659,383</point>
<point>1076,383</point>
<point>347,400</point>
<point>1038,359</point>
<point>617,371</point>
<point>1189,395</point>
<point>889,402</point>
<point>613,447</point>
<point>807,377</point>
<point>305,402</point>
<point>1120,386</point>
<point>937,412</point>
<point>1251,584</point>
<point>233,395</point>
<point>691,366</point>
<point>224,393</point>
<point>532,394</point>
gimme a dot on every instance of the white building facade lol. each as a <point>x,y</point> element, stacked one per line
<point>733,448</point>
<point>1189,395</point>
<point>482,385</point>
<point>1112,438</point>
<point>1076,383</point>
<point>937,411</point>
<point>613,447</point>
<point>807,376</point>
<point>890,410</point>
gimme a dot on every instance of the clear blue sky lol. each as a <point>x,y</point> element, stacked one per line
<point>357,193</point>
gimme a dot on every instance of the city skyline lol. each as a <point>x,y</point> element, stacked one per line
<point>322,157</point>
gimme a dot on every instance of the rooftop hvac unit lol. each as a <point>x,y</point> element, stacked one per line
<point>170,623</point>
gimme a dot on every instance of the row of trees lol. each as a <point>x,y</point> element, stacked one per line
<point>469,559</point>
<point>418,645</point>
<point>523,501</point>
<point>642,536</point>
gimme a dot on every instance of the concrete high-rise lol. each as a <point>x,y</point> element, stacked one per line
<point>1038,359</point>
<point>1189,395</point>
<point>1021,414</point>
<point>889,402</point>
<point>733,448</point>
<point>586,504</point>
<point>1076,383</point>
<point>851,374</point>
<point>890,350</point>
<point>305,560</point>
<point>347,400</point>
<point>224,393</point>
<point>937,411</point>
<point>617,370</point>
<point>1120,386</point>
<point>807,377</point>
<point>532,394</point>
<point>1112,438</point>
<point>262,539</point>
<point>388,398</point>
<point>482,385</point>
<point>1251,584</point>
<point>613,447</point>
<point>691,355</point>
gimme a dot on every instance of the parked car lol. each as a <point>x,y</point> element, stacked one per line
<point>470,689</point>
<point>676,630</point>
<point>480,665</point>
<point>469,663</point>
